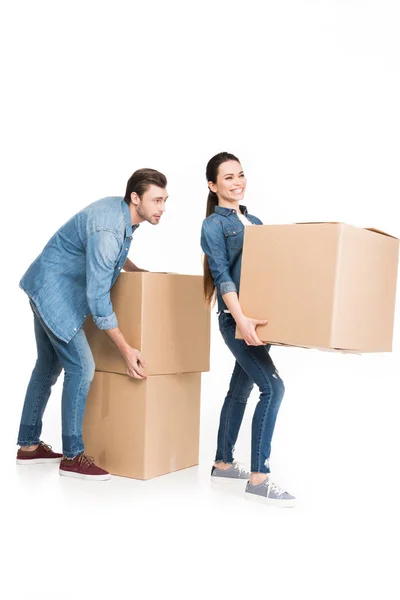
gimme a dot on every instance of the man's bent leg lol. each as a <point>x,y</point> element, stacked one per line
<point>44,376</point>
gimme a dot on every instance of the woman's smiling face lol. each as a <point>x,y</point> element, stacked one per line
<point>231,182</point>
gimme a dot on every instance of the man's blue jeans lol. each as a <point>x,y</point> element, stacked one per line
<point>253,365</point>
<point>54,355</point>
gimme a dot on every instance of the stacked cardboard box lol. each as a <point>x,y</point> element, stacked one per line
<point>321,285</point>
<point>145,428</point>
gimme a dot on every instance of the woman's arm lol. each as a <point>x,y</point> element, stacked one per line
<point>246,325</point>
<point>214,247</point>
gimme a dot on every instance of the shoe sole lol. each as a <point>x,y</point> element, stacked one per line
<point>270,501</point>
<point>82,476</point>
<point>37,461</point>
<point>228,480</point>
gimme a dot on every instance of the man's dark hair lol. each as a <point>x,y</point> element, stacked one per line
<point>141,180</point>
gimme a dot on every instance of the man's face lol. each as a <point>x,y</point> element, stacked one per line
<point>151,206</point>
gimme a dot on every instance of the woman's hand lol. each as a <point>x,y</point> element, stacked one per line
<point>247,328</point>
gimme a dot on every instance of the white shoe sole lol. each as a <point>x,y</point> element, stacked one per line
<point>82,476</point>
<point>228,480</point>
<point>270,501</point>
<point>37,461</point>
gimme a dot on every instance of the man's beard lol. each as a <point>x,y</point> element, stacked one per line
<point>141,213</point>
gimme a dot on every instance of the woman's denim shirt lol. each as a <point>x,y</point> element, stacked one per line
<point>222,242</point>
<point>74,273</point>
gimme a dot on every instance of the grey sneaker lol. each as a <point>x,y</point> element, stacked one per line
<point>235,473</point>
<point>270,493</point>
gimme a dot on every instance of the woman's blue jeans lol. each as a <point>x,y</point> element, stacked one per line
<point>253,365</point>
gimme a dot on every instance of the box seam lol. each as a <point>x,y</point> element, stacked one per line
<point>336,285</point>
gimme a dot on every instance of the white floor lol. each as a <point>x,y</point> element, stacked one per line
<point>336,448</point>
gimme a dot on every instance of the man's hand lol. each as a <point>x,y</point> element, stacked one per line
<point>135,363</point>
<point>130,267</point>
<point>247,328</point>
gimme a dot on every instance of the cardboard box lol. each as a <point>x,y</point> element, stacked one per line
<point>321,285</point>
<point>143,428</point>
<point>162,315</point>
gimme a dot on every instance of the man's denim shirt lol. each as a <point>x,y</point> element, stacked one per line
<point>73,275</point>
<point>222,242</point>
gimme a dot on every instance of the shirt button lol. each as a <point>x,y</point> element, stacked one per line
<point>119,268</point>
<point>126,248</point>
<point>84,316</point>
<point>74,328</point>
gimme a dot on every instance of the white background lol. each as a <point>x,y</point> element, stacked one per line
<point>307,94</point>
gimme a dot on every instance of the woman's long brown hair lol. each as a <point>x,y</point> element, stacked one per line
<point>212,202</point>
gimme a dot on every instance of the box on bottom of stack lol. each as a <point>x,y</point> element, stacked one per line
<point>143,428</point>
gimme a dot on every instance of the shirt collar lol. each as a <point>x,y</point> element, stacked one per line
<point>222,210</point>
<point>129,228</point>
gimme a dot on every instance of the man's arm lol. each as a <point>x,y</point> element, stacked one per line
<point>135,363</point>
<point>130,267</point>
<point>102,251</point>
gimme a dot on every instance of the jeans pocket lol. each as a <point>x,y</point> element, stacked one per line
<point>226,322</point>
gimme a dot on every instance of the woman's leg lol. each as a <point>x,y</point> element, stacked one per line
<point>258,365</point>
<point>232,414</point>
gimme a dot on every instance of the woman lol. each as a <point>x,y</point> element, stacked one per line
<point>222,243</point>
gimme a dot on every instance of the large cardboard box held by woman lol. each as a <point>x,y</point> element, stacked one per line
<point>321,285</point>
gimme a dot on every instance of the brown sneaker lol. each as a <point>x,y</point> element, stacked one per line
<point>42,454</point>
<point>82,467</point>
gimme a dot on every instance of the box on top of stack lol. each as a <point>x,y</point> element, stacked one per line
<point>164,316</point>
<point>321,285</point>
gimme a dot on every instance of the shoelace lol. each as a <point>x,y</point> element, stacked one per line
<point>276,488</point>
<point>46,447</point>
<point>240,468</point>
<point>85,460</point>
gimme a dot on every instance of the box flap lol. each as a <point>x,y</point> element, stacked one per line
<point>373,229</point>
<point>381,232</point>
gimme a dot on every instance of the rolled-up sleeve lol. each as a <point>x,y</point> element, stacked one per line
<point>214,247</point>
<point>102,252</point>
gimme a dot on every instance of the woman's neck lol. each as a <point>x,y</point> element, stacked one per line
<point>231,205</point>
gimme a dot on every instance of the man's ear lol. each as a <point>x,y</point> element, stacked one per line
<point>135,198</point>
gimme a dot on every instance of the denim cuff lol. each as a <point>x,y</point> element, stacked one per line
<point>72,445</point>
<point>109,322</point>
<point>31,442</point>
<point>227,286</point>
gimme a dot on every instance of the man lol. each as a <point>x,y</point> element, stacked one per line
<point>70,279</point>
